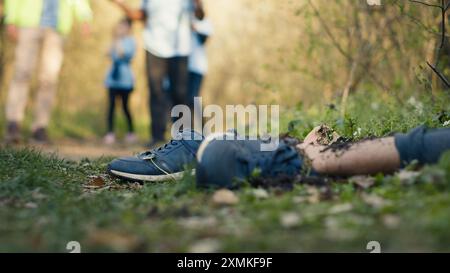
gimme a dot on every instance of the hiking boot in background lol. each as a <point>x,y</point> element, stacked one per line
<point>40,136</point>
<point>12,135</point>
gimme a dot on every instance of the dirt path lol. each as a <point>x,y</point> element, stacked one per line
<point>77,150</point>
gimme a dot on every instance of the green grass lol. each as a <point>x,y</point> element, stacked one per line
<point>45,202</point>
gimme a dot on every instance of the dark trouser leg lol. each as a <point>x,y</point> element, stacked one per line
<point>422,144</point>
<point>195,85</point>
<point>126,110</point>
<point>178,77</point>
<point>156,72</point>
<point>111,107</point>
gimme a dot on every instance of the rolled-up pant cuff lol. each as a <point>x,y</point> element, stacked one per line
<point>422,145</point>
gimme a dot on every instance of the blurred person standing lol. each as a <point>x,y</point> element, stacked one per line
<point>1,9</point>
<point>198,60</point>
<point>2,42</point>
<point>2,5</point>
<point>39,27</point>
<point>167,41</point>
<point>119,79</point>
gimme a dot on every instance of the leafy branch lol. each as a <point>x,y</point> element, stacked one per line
<point>443,8</point>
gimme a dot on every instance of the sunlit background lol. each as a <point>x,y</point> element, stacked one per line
<point>288,52</point>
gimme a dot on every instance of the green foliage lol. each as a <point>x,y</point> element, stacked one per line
<point>46,202</point>
<point>444,163</point>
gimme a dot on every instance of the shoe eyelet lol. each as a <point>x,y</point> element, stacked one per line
<point>148,156</point>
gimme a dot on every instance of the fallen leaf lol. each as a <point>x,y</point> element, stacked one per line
<point>290,219</point>
<point>196,222</point>
<point>95,183</point>
<point>128,195</point>
<point>86,164</point>
<point>313,195</point>
<point>375,200</point>
<point>30,205</point>
<point>336,231</point>
<point>6,201</point>
<point>391,221</point>
<point>260,193</point>
<point>205,246</point>
<point>37,195</point>
<point>117,241</point>
<point>362,181</point>
<point>299,199</point>
<point>374,2</point>
<point>225,197</point>
<point>407,177</point>
<point>340,208</point>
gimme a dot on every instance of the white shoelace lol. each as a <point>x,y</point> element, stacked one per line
<point>162,170</point>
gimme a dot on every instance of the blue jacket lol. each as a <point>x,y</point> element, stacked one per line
<point>120,75</point>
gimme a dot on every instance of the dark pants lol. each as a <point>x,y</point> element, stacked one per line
<point>422,144</point>
<point>195,85</point>
<point>176,71</point>
<point>123,95</point>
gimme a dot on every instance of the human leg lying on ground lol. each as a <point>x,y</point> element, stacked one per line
<point>383,155</point>
<point>226,163</point>
<point>223,162</point>
<point>220,163</point>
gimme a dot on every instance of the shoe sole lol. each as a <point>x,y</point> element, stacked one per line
<point>148,178</point>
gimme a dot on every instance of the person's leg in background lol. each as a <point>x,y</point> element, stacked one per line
<point>178,78</point>
<point>26,56</point>
<point>167,91</point>
<point>131,137</point>
<point>156,72</point>
<point>126,110</point>
<point>195,85</point>
<point>52,58</point>
<point>110,137</point>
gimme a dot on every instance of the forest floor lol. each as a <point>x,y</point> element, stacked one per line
<point>53,196</point>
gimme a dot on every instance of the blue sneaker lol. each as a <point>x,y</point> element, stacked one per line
<point>166,162</point>
<point>226,163</point>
